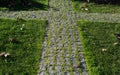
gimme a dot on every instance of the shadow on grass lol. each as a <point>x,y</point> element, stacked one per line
<point>113,2</point>
<point>20,6</point>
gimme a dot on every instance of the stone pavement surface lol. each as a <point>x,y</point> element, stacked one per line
<point>101,17</point>
<point>62,50</point>
<point>24,14</point>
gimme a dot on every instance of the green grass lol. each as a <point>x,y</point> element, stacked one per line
<point>95,8</point>
<point>96,37</point>
<point>35,5</point>
<point>25,53</point>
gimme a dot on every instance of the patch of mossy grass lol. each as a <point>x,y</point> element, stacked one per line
<point>92,7</point>
<point>101,47</point>
<point>27,5</point>
<point>25,51</point>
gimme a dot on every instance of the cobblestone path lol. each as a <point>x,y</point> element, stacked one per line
<point>25,14</point>
<point>62,51</point>
<point>101,17</point>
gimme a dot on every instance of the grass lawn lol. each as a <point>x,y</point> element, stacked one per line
<point>79,6</point>
<point>101,47</point>
<point>25,49</point>
<point>34,5</point>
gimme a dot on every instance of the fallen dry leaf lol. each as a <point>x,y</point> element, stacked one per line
<point>104,49</point>
<point>115,43</point>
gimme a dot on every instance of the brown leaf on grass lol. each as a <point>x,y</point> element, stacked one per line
<point>117,36</point>
<point>12,40</point>
<point>1,54</point>
<point>104,49</point>
<point>115,43</point>
<point>4,54</point>
<point>86,9</point>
